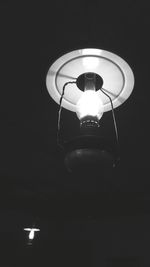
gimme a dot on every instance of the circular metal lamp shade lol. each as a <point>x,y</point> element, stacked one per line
<point>118,78</point>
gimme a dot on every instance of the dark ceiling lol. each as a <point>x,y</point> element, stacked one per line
<point>85,220</point>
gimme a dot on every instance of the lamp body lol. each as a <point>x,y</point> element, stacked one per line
<point>89,151</point>
<point>88,101</point>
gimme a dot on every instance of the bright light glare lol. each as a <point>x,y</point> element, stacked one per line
<point>90,62</point>
<point>89,104</point>
<point>91,51</point>
<point>91,59</point>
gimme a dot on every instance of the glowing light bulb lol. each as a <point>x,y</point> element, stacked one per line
<point>31,234</point>
<point>89,104</point>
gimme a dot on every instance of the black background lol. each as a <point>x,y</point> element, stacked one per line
<point>85,220</point>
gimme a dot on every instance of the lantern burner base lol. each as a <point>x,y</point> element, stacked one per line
<point>89,153</point>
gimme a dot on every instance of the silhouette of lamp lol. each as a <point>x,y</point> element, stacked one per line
<point>89,82</point>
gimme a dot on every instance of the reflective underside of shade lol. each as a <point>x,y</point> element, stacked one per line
<point>118,78</point>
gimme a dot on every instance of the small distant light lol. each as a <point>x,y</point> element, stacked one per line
<point>31,232</point>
